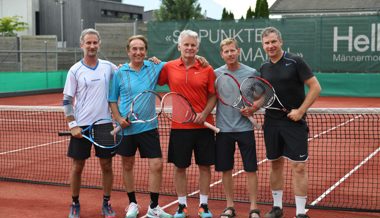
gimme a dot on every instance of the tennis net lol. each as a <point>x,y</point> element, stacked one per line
<point>343,167</point>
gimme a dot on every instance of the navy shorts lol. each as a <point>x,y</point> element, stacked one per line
<point>80,149</point>
<point>225,150</point>
<point>147,142</point>
<point>286,138</point>
<point>183,142</point>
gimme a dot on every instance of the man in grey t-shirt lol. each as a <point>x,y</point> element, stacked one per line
<point>235,127</point>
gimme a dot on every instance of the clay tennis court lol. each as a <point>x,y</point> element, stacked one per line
<point>32,200</point>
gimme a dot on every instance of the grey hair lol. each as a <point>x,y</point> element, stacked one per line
<point>86,32</point>
<point>189,33</point>
<point>270,30</point>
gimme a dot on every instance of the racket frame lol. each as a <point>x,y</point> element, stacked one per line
<point>132,112</point>
<point>89,129</point>
<point>242,100</point>
<point>192,117</point>
<point>273,98</point>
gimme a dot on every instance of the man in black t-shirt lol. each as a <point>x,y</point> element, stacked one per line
<point>286,134</point>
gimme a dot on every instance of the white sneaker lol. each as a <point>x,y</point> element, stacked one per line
<point>157,212</point>
<point>132,211</point>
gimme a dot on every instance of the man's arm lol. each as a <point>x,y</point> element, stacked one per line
<point>312,95</point>
<point>116,115</point>
<point>211,102</point>
<point>69,114</point>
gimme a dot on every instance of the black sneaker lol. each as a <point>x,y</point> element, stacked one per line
<point>302,216</point>
<point>276,212</point>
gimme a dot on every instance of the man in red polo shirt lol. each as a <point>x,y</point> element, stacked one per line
<point>187,76</point>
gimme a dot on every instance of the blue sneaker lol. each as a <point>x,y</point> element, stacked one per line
<point>107,211</point>
<point>74,210</point>
<point>181,212</point>
<point>204,212</point>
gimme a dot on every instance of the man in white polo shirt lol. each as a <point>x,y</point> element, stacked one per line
<point>88,83</point>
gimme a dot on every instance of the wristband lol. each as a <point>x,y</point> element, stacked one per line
<point>72,124</point>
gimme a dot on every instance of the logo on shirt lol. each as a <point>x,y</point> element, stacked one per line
<point>196,72</point>
<point>288,64</point>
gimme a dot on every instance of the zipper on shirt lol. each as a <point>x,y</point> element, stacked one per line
<point>187,72</point>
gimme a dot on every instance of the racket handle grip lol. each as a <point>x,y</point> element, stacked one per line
<point>254,123</point>
<point>212,127</point>
<point>65,133</point>
<point>116,130</point>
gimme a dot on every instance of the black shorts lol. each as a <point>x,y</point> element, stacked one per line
<point>147,142</point>
<point>225,150</point>
<point>183,142</point>
<point>80,149</point>
<point>286,138</point>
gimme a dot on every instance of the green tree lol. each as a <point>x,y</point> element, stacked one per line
<point>250,14</point>
<point>264,9</point>
<point>224,14</point>
<point>261,10</point>
<point>179,10</point>
<point>257,12</point>
<point>10,25</point>
<point>227,15</point>
<point>231,16</point>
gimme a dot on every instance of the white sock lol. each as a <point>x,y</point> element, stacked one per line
<point>203,199</point>
<point>300,204</point>
<point>277,198</point>
<point>182,200</point>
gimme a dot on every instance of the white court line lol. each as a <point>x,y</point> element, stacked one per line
<point>211,185</point>
<point>316,201</point>
<point>263,161</point>
<point>341,180</point>
<point>32,147</point>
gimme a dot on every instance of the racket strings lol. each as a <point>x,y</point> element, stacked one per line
<point>228,91</point>
<point>101,134</point>
<point>258,92</point>
<point>181,109</point>
<point>144,106</point>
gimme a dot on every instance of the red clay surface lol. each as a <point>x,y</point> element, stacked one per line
<point>31,201</point>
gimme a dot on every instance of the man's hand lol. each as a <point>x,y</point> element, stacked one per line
<point>124,122</point>
<point>76,132</point>
<point>202,60</point>
<point>154,59</point>
<point>295,115</point>
<point>200,118</point>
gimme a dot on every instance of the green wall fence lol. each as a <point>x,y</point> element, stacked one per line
<point>333,84</point>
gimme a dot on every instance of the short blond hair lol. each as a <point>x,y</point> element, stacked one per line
<point>228,41</point>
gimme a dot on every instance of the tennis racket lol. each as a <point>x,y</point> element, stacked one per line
<point>182,111</point>
<point>98,133</point>
<point>143,108</point>
<point>262,92</point>
<point>229,93</point>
